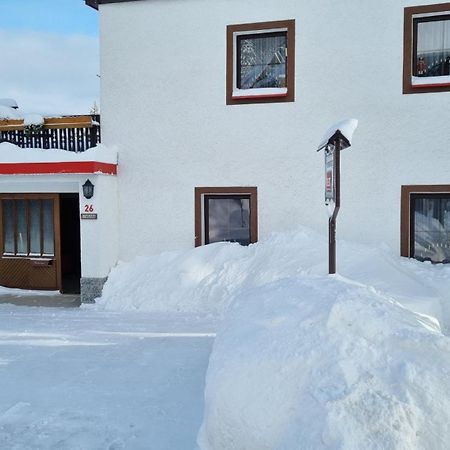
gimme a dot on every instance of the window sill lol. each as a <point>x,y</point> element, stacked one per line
<point>429,85</point>
<point>258,96</point>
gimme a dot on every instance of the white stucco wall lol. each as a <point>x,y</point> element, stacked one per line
<point>163,104</point>
<point>98,237</point>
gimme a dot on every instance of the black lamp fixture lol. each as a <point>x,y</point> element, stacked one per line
<point>88,189</point>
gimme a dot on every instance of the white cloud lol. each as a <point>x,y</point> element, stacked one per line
<point>50,73</point>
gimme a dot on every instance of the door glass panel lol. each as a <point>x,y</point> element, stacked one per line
<point>22,229</point>
<point>432,229</point>
<point>47,216</point>
<point>8,227</point>
<point>35,226</point>
<point>228,219</point>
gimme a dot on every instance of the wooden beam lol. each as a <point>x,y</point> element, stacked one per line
<point>49,123</point>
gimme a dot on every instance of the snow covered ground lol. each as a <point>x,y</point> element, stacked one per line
<point>301,360</point>
<point>86,380</point>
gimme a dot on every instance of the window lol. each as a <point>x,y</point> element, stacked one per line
<point>261,62</point>
<point>28,227</point>
<point>426,223</point>
<point>225,214</point>
<point>427,49</point>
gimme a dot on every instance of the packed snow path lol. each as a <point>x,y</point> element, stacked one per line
<point>80,379</point>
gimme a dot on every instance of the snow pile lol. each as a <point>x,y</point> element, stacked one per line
<point>6,112</point>
<point>325,363</point>
<point>33,119</point>
<point>9,102</point>
<point>12,154</point>
<point>206,279</point>
<point>9,110</point>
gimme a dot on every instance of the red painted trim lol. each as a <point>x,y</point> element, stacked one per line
<point>432,85</point>
<point>241,97</point>
<point>37,168</point>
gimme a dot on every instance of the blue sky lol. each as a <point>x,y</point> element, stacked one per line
<point>50,55</point>
<point>58,16</point>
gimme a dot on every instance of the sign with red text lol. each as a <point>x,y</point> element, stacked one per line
<point>330,191</point>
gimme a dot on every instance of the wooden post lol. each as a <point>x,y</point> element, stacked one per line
<point>332,219</point>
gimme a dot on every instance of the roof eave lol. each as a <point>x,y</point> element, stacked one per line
<point>92,3</point>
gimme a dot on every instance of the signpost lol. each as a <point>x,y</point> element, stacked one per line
<point>334,142</point>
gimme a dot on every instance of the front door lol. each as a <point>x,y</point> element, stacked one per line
<point>29,241</point>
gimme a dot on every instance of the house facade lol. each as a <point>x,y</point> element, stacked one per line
<point>217,108</point>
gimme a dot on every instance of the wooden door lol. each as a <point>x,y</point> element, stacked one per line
<point>30,256</point>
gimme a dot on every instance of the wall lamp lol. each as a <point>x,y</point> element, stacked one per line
<point>88,189</point>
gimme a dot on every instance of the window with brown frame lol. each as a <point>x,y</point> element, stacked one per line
<point>226,214</point>
<point>261,62</point>
<point>426,65</point>
<point>425,223</point>
<point>27,227</point>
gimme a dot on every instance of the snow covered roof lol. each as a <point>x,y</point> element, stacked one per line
<point>346,128</point>
<point>15,160</point>
<point>9,102</point>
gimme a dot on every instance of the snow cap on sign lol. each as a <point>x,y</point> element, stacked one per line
<point>345,127</point>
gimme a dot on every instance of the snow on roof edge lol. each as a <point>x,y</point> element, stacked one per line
<point>12,154</point>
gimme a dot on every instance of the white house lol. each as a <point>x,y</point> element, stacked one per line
<point>216,109</point>
<point>228,99</point>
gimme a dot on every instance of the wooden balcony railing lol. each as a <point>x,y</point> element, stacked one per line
<point>73,133</point>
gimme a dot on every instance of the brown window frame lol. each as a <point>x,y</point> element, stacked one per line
<point>406,233</point>
<point>409,44</point>
<point>200,222</point>
<point>232,63</point>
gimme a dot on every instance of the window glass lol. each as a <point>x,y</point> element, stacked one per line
<point>47,216</point>
<point>228,219</point>
<point>431,216</point>
<point>261,61</point>
<point>8,227</point>
<point>432,53</point>
<point>35,226</point>
<point>22,229</point>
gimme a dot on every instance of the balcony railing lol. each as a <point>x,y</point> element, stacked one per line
<point>73,133</point>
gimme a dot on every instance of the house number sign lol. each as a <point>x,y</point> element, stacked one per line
<point>88,213</point>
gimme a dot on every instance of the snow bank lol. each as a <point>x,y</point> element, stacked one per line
<point>206,279</point>
<point>317,363</point>
<point>10,153</point>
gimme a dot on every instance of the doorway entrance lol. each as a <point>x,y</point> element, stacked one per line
<point>69,208</point>
<point>40,242</point>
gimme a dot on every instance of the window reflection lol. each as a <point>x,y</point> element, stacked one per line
<point>22,229</point>
<point>47,214</point>
<point>28,227</point>
<point>228,219</point>
<point>432,229</point>
<point>8,227</point>
<point>262,61</point>
<point>433,47</point>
